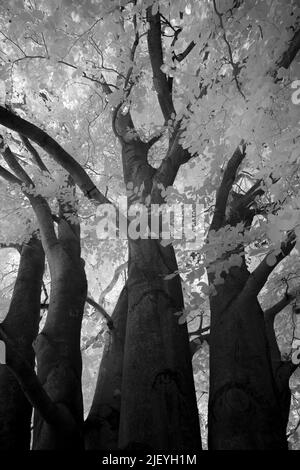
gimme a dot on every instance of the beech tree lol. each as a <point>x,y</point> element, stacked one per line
<point>185,103</point>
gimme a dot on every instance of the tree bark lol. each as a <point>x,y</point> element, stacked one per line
<point>102,423</point>
<point>245,400</point>
<point>21,324</point>
<point>158,410</point>
<point>249,384</point>
<point>57,347</point>
<point>158,401</point>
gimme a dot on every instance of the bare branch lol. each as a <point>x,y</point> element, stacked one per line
<point>241,209</point>
<point>199,331</point>
<point>106,87</point>
<point>8,176</point>
<point>13,163</point>
<point>251,194</point>
<point>234,65</point>
<point>103,312</point>
<point>226,185</point>
<point>113,282</point>
<point>196,343</point>
<point>291,52</point>
<point>160,80</point>
<point>16,246</point>
<point>271,312</point>
<point>35,155</point>
<point>282,370</point>
<point>132,51</point>
<point>154,139</point>
<point>180,57</point>
<point>38,203</point>
<point>40,137</point>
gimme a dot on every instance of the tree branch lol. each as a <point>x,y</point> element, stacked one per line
<point>176,156</point>
<point>240,205</point>
<point>196,343</point>
<point>285,61</point>
<point>35,155</point>
<point>113,282</point>
<point>102,82</point>
<point>8,176</point>
<point>226,185</point>
<point>132,51</point>
<point>234,65</point>
<point>155,139</point>
<point>180,57</point>
<point>282,370</point>
<point>38,203</point>
<point>63,158</point>
<point>291,52</point>
<point>16,246</point>
<point>271,312</point>
<point>259,276</point>
<point>13,163</point>
<point>160,80</point>
<point>103,312</point>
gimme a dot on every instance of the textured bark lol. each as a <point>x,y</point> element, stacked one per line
<point>249,388</point>
<point>102,423</point>
<point>159,409</point>
<point>21,324</point>
<point>158,401</point>
<point>57,347</point>
<point>282,370</point>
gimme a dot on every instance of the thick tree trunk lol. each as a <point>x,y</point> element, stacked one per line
<point>159,409</point>
<point>57,347</point>
<point>102,423</point>
<point>158,401</point>
<point>246,397</point>
<point>21,324</point>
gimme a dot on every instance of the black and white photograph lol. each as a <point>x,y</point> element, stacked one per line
<point>149,229</point>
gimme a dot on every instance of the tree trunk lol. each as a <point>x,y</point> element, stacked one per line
<point>246,398</point>
<point>102,423</point>
<point>21,324</point>
<point>249,384</point>
<point>159,409</point>
<point>158,401</point>
<point>57,347</point>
